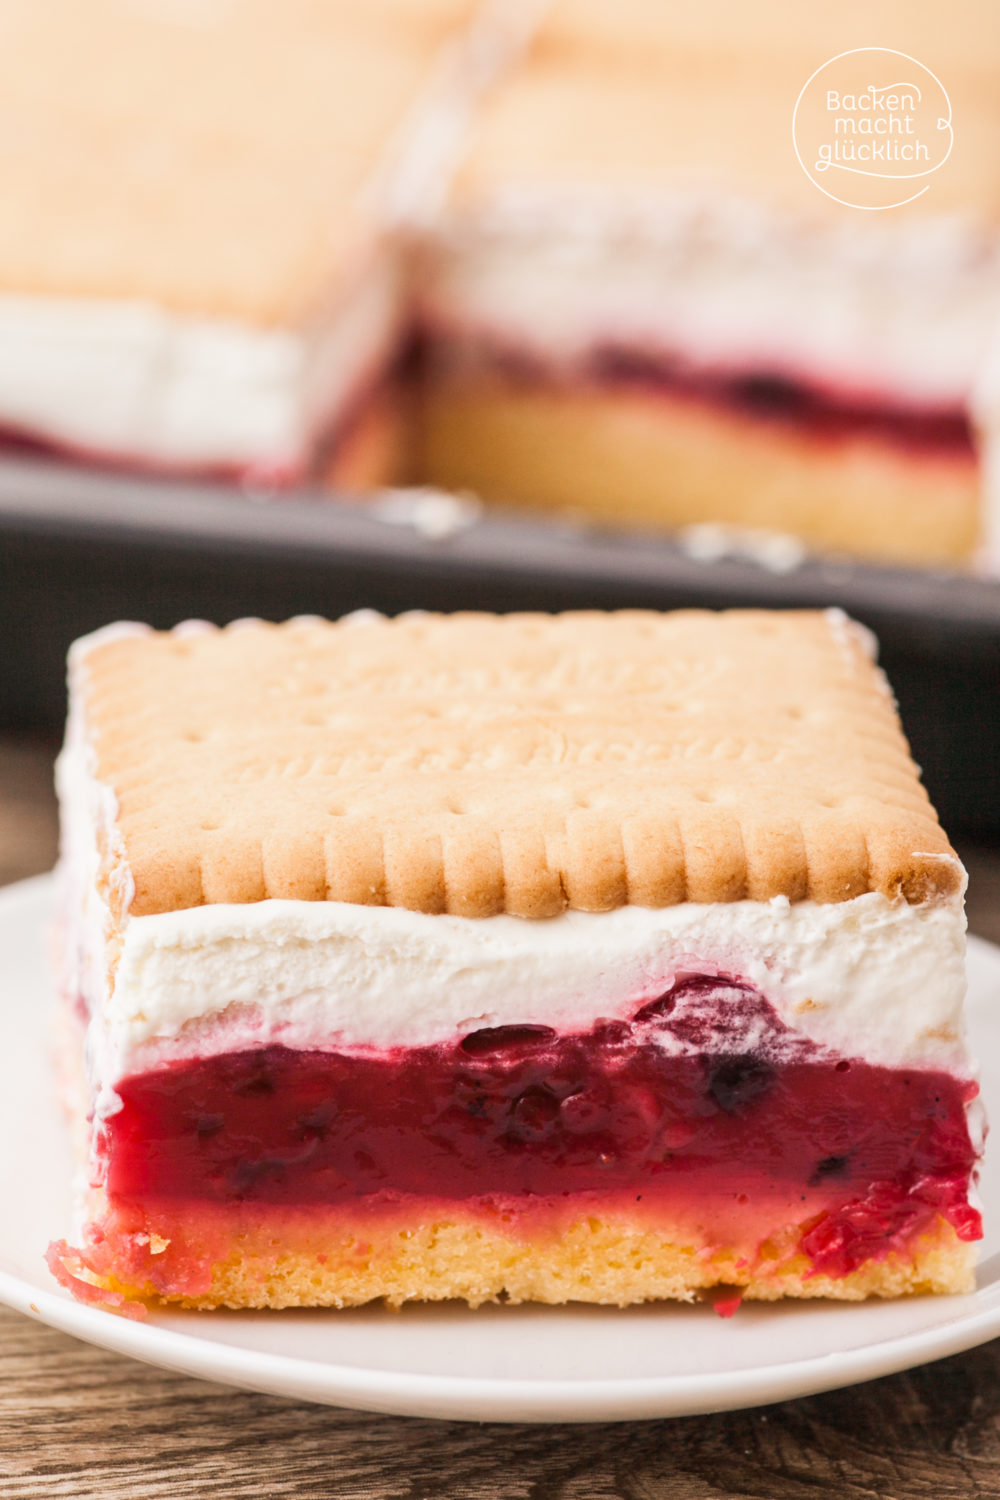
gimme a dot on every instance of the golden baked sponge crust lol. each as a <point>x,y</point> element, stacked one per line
<point>478,764</point>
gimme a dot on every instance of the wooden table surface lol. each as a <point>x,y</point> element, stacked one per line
<point>76,1421</point>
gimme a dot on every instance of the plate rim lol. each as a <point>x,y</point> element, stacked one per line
<point>477,1398</point>
<point>495,1399</point>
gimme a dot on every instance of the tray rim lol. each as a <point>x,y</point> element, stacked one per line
<point>45,499</point>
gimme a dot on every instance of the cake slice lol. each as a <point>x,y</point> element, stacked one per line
<point>594,957</point>
<point>642,311</point>
<point>197,269</point>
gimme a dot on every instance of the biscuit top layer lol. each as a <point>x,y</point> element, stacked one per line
<point>477,764</point>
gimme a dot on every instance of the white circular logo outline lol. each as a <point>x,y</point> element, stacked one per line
<point>890,176</point>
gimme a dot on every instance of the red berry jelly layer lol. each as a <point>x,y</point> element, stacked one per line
<point>777,398</point>
<point>705,1098</point>
<point>824,413</point>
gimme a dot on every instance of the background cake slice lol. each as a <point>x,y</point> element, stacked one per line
<point>644,312</point>
<point>595,957</point>
<point>195,272</point>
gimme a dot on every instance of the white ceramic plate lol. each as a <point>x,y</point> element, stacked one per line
<point>527,1364</point>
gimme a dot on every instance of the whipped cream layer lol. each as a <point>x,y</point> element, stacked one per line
<point>892,313</point>
<point>867,977</point>
<point>133,381</point>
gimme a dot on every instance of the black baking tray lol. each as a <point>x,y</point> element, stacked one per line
<point>79,548</point>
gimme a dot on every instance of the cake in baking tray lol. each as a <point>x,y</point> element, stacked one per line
<point>642,309</point>
<point>197,267</point>
<point>553,252</point>
<point>583,957</point>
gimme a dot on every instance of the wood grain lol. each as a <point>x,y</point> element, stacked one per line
<point>28,821</point>
<point>78,1422</point>
<point>83,1423</point>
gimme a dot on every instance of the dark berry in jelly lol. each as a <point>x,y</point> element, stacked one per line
<point>258,1080</point>
<point>250,1176</point>
<point>506,1039</point>
<point>533,1114</point>
<point>736,1082</point>
<point>318,1121</point>
<point>659,1008</point>
<point>829,1168</point>
<point>770,394</point>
